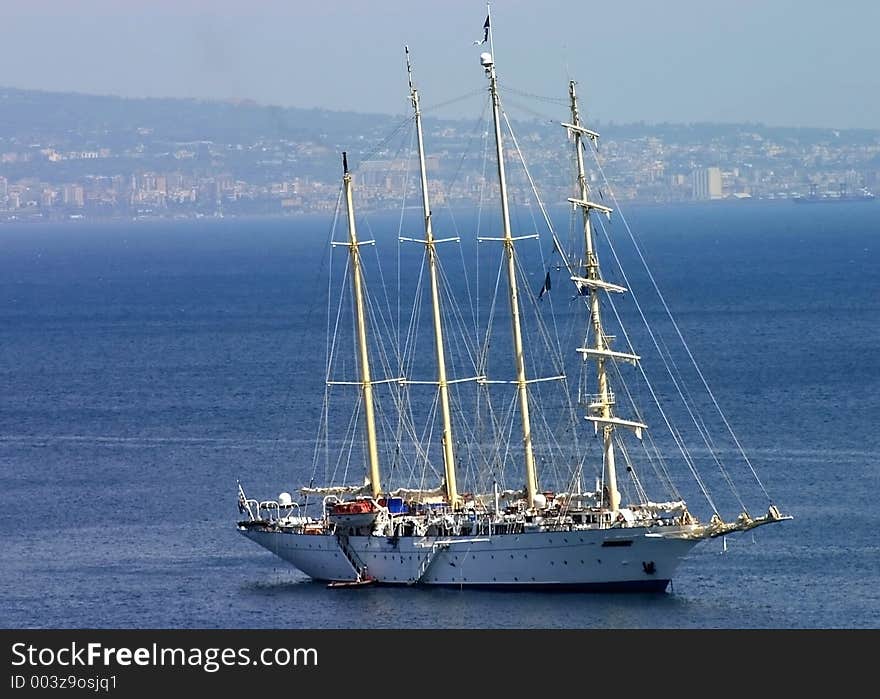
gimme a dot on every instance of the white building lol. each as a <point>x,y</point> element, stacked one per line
<point>707,183</point>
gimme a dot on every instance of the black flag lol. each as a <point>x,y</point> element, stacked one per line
<point>485,32</point>
<point>546,287</point>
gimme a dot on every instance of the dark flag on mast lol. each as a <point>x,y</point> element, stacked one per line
<point>546,287</point>
<point>485,32</point>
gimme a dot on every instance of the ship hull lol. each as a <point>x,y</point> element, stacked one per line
<point>597,560</point>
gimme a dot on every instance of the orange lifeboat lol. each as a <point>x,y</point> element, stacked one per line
<point>358,515</point>
<point>355,507</point>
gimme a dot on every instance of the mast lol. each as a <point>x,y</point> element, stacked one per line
<point>431,250</point>
<point>361,320</point>
<point>487,60</point>
<point>601,351</point>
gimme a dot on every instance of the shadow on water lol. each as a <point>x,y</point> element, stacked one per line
<point>303,603</point>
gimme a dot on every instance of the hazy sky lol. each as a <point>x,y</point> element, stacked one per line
<point>781,62</point>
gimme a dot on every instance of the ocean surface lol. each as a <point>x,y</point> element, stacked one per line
<point>145,367</point>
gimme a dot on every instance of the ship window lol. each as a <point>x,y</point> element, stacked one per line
<point>618,542</point>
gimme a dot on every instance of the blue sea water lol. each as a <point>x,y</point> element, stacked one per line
<point>144,367</point>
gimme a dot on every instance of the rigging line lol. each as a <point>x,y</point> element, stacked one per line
<point>478,228</point>
<point>399,234</point>
<point>468,430</point>
<point>414,315</point>
<point>480,424</point>
<point>490,321</point>
<point>413,436</point>
<point>453,100</point>
<point>425,461</point>
<point>499,448</point>
<point>454,314</point>
<point>330,343</point>
<point>461,337</point>
<point>637,484</point>
<point>412,334</point>
<point>519,105</point>
<point>429,437</point>
<point>673,432</point>
<point>467,442</point>
<point>522,93</point>
<point>469,450</point>
<point>658,464</point>
<point>473,303</point>
<point>286,403</point>
<point>406,422</point>
<point>572,413</point>
<point>466,347</point>
<point>567,422</point>
<point>687,401</point>
<point>575,232</point>
<point>621,444</point>
<point>680,336</point>
<point>401,399</point>
<point>676,435</point>
<point>414,439</point>
<point>416,446</point>
<point>322,433</point>
<point>639,414</point>
<point>506,425</point>
<point>479,124</point>
<point>543,331</point>
<point>332,339</point>
<point>327,261</point>
<point>660,471</point>
<point>552,443</point>
<point>624,485</point>
<point>330,354</point>
<point>669,371</point>
<point>401,372</point>
<point>329,251</point>
<point>559,368</point>
<point>349,439</point>
<point>482,121</point>
<point>491,450</point>
<point>702,427</point>
<point>369,155</point>
<point>543,212</point>
<point>367,222</point>
<point>379,320</point>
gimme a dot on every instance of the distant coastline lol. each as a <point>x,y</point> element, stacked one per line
<point>72,157</point>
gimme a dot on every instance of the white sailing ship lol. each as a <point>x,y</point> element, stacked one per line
<point>490,534</point>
